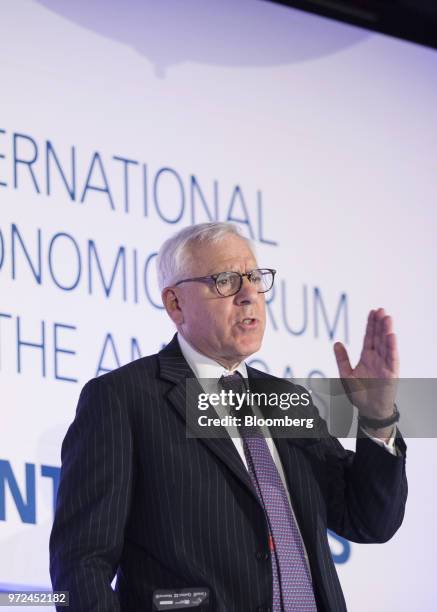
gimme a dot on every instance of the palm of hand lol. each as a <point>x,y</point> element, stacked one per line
<point>371,385</point>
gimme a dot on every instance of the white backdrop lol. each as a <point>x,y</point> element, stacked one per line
<point>122,122</point>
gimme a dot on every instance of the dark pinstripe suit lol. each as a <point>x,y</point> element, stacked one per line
<point>170,512</point>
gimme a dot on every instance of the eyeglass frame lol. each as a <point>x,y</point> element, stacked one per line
<point>214,278</point>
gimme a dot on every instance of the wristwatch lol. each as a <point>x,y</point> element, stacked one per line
<point>380,423</point>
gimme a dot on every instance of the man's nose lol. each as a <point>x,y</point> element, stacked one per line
<point>248,292</point>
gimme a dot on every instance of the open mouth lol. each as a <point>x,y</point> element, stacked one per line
<point>248,322</point>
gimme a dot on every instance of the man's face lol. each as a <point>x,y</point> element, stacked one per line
<point>227,329</point>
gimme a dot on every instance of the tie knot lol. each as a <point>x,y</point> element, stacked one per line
<point>233,382</point>
<point>234,386</point>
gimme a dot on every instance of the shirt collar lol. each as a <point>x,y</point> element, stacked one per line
<point>203,366</point>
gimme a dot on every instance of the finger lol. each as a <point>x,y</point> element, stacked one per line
<point>392,358</point>
<point>343,363</point>
<point>379,333</point>
<point>382,338</point>
<point>370,330</point>
<point>387,328</point>
<point>388,324</point>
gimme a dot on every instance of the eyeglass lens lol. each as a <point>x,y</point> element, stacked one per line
<point>229,283</point>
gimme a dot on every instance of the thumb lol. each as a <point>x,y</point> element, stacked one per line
<point>343,363</point>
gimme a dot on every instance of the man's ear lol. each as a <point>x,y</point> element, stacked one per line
<point>172,306</point>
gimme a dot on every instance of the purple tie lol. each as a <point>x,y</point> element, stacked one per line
<point>292,585</point>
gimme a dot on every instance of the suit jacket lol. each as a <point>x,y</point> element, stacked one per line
<point>163,511</point>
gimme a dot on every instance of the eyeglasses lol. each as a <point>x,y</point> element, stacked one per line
<point>230,283</point>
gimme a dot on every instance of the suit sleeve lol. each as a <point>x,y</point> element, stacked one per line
<point>93,500</point>
<point>366,490</point>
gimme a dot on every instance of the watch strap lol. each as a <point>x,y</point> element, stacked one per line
<point>380,423</point>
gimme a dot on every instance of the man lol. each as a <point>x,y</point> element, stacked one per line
<point>240,520</point>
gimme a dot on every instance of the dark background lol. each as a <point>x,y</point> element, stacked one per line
<point>413,20</point>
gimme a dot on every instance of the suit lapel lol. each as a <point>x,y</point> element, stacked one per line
<point>174,368</point>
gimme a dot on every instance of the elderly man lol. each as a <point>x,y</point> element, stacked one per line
<point>233,523</point>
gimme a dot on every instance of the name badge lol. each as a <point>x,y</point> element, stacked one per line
<point>170,599</point>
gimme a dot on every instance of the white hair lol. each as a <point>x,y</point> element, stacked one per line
<point>172,262</point>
